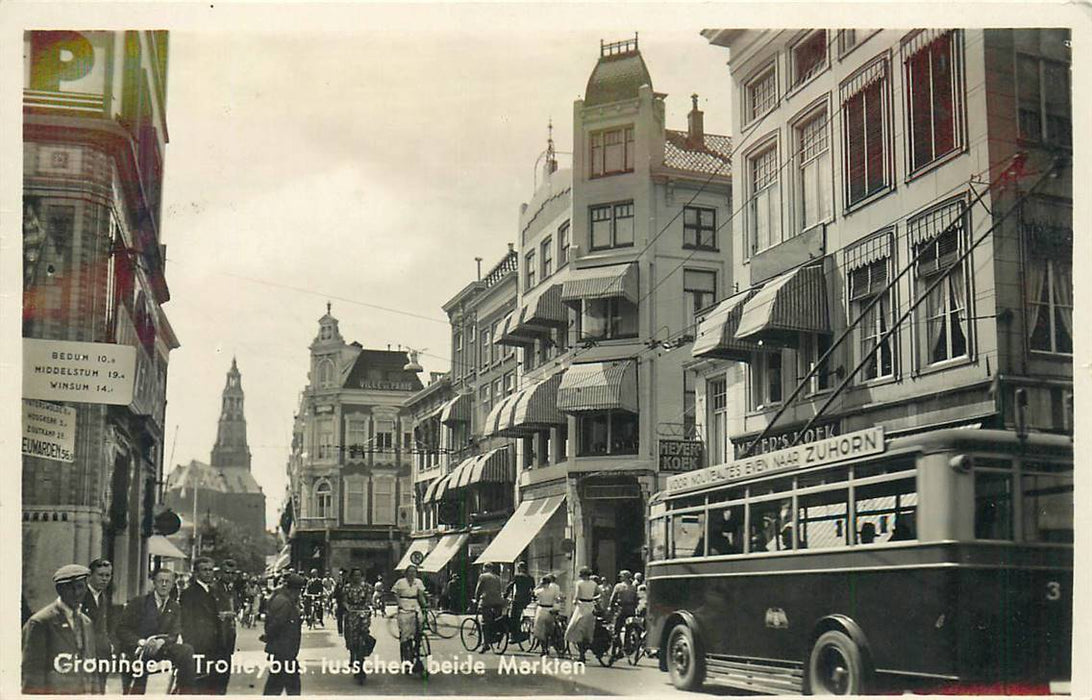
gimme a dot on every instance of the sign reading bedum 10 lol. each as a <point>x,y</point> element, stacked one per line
<point>814,454</point>
<point>49,430</point>
<point>680,455</point>
<point>65,370</point>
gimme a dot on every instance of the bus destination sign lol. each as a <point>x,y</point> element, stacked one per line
<point>813,454</point>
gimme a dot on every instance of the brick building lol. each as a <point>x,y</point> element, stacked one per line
<point>94,132</point>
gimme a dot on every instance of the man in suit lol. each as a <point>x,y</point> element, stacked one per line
<point>208,625</point>
<point>282,638</point>
<point>151,624</point>
<point>97,606</point>
<point>57,637</point>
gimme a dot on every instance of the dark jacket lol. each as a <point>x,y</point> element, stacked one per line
<point>141,619</point>
<point>102,616</point>
<point>283,624</point>
<point>202,627</point>
<point>47,634</point>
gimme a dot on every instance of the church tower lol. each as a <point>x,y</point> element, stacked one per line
<point>231,449</point>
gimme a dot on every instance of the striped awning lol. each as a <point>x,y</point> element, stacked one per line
<point>443,552</point>
<point>435,489</point>
<point>423,545</point>
<point>599,386</point>
<point>492,466</point>
<point>507,335</point>
<point>531,516</point>
<point>542,310</point>
<point>794,303</point>
<point>527,410</point>
<point>601,283</point>
<point>160,546</point>
<point>457,410</point>
<point>717,331</point>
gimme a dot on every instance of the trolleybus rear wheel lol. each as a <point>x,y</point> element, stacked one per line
<point>835,666</point>
<point>686,666</point>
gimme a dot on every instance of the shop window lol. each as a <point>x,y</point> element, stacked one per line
<point>608,433</point>
<point>934,85</point>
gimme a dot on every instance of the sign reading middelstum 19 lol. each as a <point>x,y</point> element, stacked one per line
<point>812,454</point>
<point>49,430</point>
<point>66,370</point>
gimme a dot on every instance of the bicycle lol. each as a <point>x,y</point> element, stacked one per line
<point>417,649</point>
<point>471,632</point>
<point>633,638</point>
<point>444,624</point>
<point>312,611</point>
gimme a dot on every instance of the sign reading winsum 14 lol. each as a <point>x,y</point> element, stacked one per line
<point>812,454</point>
<point>64,370</point>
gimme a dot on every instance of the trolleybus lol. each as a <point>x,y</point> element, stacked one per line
<point>938,561</point>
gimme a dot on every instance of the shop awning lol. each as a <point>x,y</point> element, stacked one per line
<point>507,334</point>
<point>492,466</point>
<point>423,545</point>
<point>542,310</point>
<point>527,410</point>
<point>430,492</point>
<point>794,303</point>
<point>160,546</point>
<point>599,386</point>
<point>443,552</point>
<point>601,283</point>
<point>443,484</point>
<point>531,516</point>
<point>457,410</point>
<point>716,333</point>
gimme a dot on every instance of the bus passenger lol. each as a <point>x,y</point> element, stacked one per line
<point>904,528</point>
<point>868,533</point>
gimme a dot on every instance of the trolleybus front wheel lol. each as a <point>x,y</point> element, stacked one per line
<point>835,666</point>
<point>684,663</point>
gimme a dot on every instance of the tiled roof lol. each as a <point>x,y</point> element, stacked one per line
<point>713,158</point>
<point>201,475</point>
<point>616,78</point>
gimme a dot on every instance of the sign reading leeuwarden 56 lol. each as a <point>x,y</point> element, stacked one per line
<point>49,430</point>
<point>812,454</point>
<point>65,370</point>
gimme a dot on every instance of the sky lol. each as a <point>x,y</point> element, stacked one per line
<point>367,169</point>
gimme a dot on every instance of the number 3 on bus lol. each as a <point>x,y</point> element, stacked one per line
<point>943,561</point>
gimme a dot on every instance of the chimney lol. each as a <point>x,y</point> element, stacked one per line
<point>479,261</point>
<point>695,133</point>
<point>511,247</point>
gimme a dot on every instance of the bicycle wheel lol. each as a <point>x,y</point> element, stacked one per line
<point>444,624</point>
<point>634,644</point>
<point>500,642</point>
<point>526,641</point>
<point>471,634</point>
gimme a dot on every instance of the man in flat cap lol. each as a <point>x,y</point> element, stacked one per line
<point>58,637</point>
<point>150,627</point>
<point>282,638</point>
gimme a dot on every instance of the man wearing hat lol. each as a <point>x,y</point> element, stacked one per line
<point>282,638</point>
<point>151,625</point>
<point>60,629</point>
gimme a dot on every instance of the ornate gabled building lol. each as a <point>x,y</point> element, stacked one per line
<point>349,469</point>
<point>224,489</point>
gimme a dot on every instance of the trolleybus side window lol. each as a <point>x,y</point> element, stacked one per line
<point>657,539</point>
<point>725,529</point>
<point>771,525</point>
<point>687,535</point>
<point>992,505</point>
<point>1047,507</point>
<point>886,511</point>
<point>822,519</point>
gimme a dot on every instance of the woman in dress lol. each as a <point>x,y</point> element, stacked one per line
<point>358,618</point>
<point>547,598</point>
<point>581,627</point>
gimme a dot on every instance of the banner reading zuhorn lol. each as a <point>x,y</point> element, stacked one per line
<point>66,370</point>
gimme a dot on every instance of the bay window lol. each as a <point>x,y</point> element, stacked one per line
<point>608,433</point>
<point>607,319</point>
